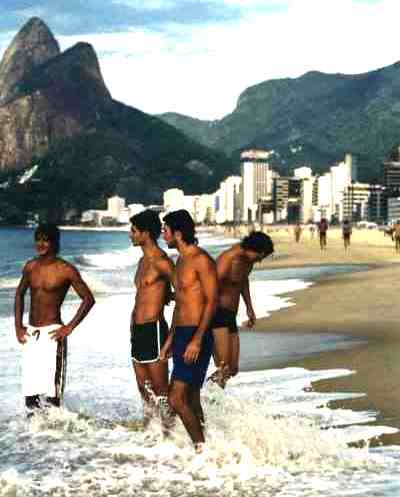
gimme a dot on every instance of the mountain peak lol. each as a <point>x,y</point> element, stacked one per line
<point>32,46</point>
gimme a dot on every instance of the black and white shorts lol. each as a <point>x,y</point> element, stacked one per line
<point>147,340</point>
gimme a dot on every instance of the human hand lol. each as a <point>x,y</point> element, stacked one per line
<point>192,351</point>
<point>61,332</point>
<point>166,352</point>
<point>22,334</point>
<point>252,318</point>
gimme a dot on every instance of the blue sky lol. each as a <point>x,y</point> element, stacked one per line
<point>196,56</point>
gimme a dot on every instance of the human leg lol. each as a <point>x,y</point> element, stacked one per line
<point>235,348</point>
<point>181,400</point>
<point>222,355</point>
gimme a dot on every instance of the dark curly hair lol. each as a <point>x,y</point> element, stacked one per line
<point>50,232</point>
<point>147,221</point>
<point>258,242</point>
<point>182,221</point>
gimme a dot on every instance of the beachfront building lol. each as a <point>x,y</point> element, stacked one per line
<point>227,206</point>
<point>135,209</point>
<point>257,182</point>
<point>393,209</point>
<point>331,188</point>
<point>356,202</point>
<point>306,199</point>
<point>287,199</point>
<point>115,206</point>
<point>307,193</point>
<point>173,200</point>
<point>391,174</point>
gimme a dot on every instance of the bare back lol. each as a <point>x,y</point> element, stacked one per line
<point>152,287</point>
<point>190,295</point>
<point>233,270</point>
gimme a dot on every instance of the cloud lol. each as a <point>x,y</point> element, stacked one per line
<point>97,16</point>
<point>198,61</point>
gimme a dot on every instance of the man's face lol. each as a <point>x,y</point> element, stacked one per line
<point>43,245</point>
<point>136,236</point>
<point>254,256</point>
<point>169,237</point>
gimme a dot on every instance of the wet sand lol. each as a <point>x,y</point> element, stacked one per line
<point>360,304</point>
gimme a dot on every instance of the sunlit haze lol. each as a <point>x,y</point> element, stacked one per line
<point>195,57</point>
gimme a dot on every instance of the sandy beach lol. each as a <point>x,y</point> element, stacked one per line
<point>360,304</point>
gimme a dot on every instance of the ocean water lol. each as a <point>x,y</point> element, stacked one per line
<point>269,433</point>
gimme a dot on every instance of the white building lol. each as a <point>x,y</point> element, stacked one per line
<point>115,206</point>
<point>173,199</point>
<point>307,187</point>
<point>228,203</point>
<point>332,185</point>
<point>325,195</point>
<point>303,172</point>
<point>257,181</point>
<point>135,209</point>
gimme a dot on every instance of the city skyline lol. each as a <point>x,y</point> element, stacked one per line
<point>146,49</point>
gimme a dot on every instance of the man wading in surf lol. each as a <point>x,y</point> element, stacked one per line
<point>191,338</point>
<point>149,329</point>
<point>233,268</point>
<point>44,342</point>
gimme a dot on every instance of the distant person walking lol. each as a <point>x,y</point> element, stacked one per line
<point>312,231</point>
<point>44,340</point>
<point>322,230</point>
<point>347,231</point>
<point>297,232</point>
<point>396,235</point>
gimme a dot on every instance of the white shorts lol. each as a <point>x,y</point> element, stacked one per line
<point>43,363</point>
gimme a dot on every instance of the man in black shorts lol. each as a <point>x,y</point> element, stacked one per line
<point>149,329</point>
<point>233,269</point>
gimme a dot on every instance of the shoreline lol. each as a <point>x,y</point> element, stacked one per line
<point>359,304</point>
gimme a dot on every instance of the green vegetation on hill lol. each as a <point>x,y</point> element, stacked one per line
<point>124,152</point>
<point>313,120</point>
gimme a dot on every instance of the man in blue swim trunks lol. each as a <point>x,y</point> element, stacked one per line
<point>233,267</point>
<point>149,329</point>
<point>191,342</point>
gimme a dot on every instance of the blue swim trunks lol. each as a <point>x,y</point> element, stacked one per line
<point>193,374</point>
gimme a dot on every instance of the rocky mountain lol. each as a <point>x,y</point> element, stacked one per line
<point>313,119</point>
<point>56,112</point>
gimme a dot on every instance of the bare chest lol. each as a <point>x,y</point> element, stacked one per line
<point>186,276</point>
<point>146,275</point>
<point>239,271</point>
<point>48,279</point>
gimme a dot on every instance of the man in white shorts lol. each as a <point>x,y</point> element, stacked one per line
<point>44,343</point>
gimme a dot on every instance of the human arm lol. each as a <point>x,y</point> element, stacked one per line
<point>166,268</point>
<point>20,329</point>
<point>165,351</point>
<point>87,303</point>
<point>207,275</point>
<point>245,293</point>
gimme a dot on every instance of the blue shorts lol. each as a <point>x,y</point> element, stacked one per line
<point>195,373</point>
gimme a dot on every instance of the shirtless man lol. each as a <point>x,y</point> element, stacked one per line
<point>233,267</point>
<point>149,329</point>
<point>191,338</point>
<point>48,278</point>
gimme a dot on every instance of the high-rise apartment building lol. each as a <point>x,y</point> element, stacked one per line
<point>257,181</point>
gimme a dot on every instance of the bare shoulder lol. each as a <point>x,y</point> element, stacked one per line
<point>203,259</point>
<point>163,262</point>
<point>30,266</point>
<point>67,269</point>
<point>228,254</point>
